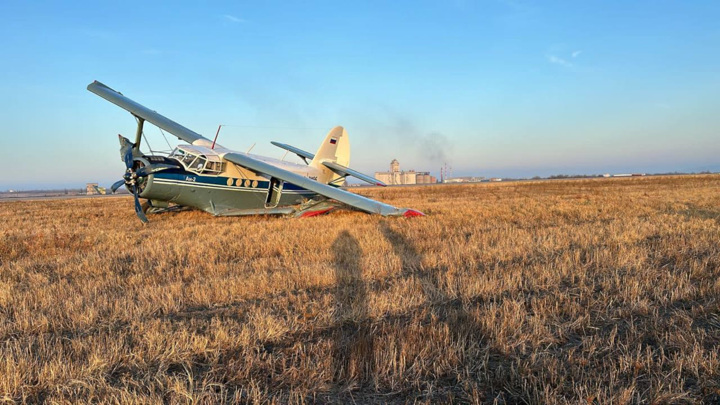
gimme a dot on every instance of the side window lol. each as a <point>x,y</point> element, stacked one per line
<point>213,167</point>
<point>198,164</point>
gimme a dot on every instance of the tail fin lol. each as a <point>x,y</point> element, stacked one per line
<point>335,148</point>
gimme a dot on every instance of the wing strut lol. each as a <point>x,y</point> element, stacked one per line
<point>138,134</point>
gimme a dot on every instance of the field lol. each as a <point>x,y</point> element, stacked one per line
<point>585,291</point>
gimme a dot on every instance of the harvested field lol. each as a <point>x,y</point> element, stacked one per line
<point>585,291</point>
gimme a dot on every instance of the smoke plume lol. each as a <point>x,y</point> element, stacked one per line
<point>432,146</point>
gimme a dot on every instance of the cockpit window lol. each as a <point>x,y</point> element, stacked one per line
<point>188,160</point>
<point>198,163</point>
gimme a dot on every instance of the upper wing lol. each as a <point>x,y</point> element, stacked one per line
<point>145,113</point>
<point>351,199</point>
<point>304,155</point>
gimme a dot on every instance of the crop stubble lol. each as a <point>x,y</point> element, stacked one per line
<point>602,290</point>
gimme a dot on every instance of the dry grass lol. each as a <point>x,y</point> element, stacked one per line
<point>600,291</point>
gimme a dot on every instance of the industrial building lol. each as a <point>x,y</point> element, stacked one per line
<point>396,177</point>
<point>447,177</point>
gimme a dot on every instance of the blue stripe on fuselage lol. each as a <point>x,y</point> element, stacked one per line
<point>217,180</point>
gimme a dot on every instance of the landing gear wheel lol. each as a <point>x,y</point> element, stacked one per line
<point>146,206</point>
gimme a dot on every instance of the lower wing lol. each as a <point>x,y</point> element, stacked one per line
<point>345,197</point>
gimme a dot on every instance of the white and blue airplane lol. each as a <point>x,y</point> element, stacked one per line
<point>223,182</point>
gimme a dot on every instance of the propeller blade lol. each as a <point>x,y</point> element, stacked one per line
<point>116,185</point>
<point>148,170</point>
<point>138,207</point>
<point>126,151</point>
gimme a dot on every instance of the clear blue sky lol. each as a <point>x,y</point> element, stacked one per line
<point>494,88</point>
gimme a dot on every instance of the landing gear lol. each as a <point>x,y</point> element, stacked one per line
<point>146,206</point>
<point>159,207</point>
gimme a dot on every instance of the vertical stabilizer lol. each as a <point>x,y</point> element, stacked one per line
<point>335,148</point>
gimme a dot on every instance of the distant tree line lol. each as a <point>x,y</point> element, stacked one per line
<point>573,176</point>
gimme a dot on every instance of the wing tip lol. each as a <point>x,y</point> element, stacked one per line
<point>409,213</point>
<point>309,214</point>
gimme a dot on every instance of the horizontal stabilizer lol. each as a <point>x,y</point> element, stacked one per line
<point>346,171</point>
<point>303,155</point>
<point>143,112</point>
<point>345,197</point>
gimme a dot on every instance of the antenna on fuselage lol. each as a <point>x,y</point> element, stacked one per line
<point>216,135</point>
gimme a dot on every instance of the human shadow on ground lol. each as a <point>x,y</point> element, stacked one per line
<point>353,342</point>
<point>432,281</point>
<point>358,368</point>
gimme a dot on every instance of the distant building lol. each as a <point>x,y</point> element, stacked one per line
<point>396,177</point>
<point>464,179</point>
<point>93,189</point>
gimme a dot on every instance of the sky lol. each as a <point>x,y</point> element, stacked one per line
<point>497,88</point>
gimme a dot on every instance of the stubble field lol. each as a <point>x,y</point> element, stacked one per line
<point>586,291</point>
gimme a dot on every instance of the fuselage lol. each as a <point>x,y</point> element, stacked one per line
<point>204,180</point>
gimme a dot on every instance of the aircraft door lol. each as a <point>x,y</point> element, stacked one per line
<point>274,192</point>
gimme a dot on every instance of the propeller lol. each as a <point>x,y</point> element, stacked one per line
<point>132,175</point>
<point>116,186</point>
<point>138,207</point>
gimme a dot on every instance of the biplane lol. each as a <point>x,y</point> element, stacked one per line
<point>207,176</point>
